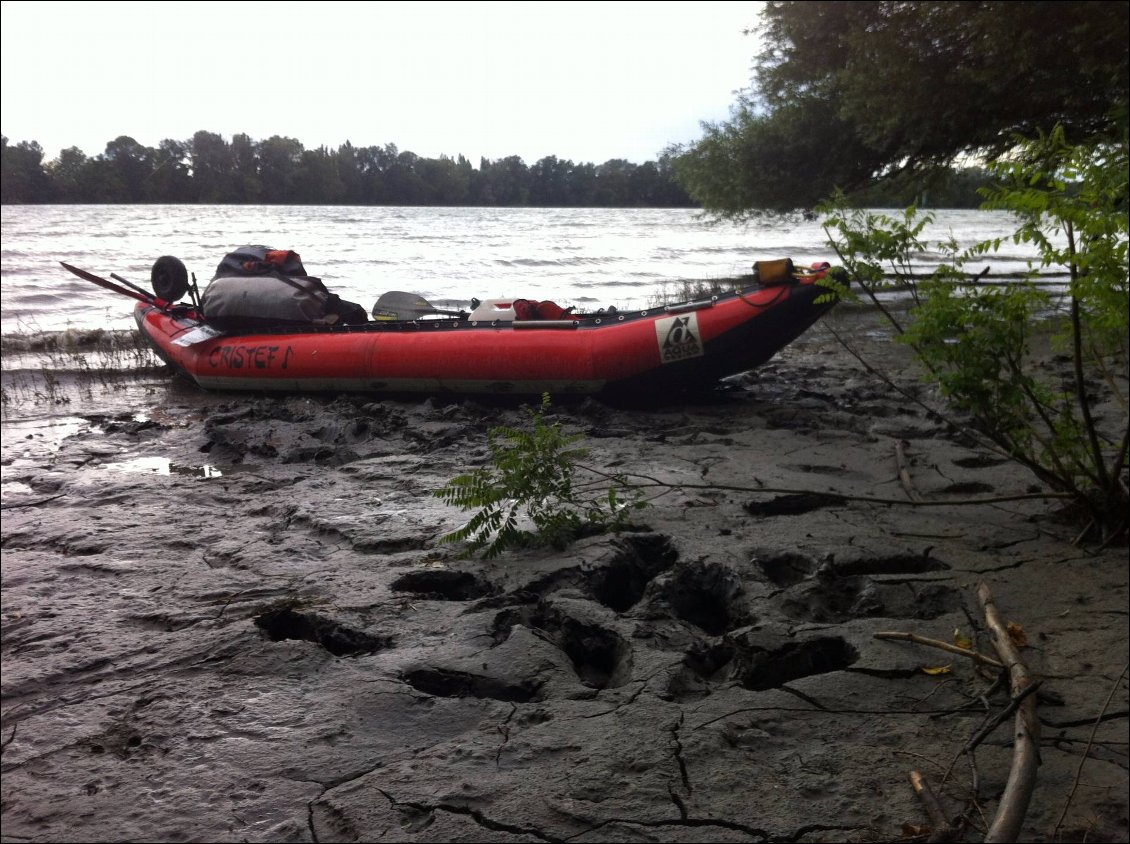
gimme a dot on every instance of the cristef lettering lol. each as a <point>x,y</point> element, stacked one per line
<point>257,357</point>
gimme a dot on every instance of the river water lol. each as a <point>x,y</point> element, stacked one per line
<point>586,257</point>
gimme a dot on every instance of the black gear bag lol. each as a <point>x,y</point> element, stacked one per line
<point>256,287</point>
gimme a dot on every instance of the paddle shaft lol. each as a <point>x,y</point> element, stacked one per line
<point>130,284</point>
<point>109,285</point>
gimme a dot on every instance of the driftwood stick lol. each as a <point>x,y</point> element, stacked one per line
<point>976,656</point>
<point>1025,750</point>
<point>904,471</point>
<point>943,829</point>
<point>1000,717</point>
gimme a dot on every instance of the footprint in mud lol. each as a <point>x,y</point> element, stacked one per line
<point>831,591</point>
<point>601,658</point>
<point>894,564</point>
<point>705,595</point>
<point>785,569</point>
<point>822,469</point>
<point>980,461</point>
<point>441,682</point>
<point>639,559</point>
<point>620,583</point>
<point>443,585</point>
<point>788,569</point>
<point>793,504</point>
<point>967,488</point>
<point>703,666</point>
<point>833,599</point>
<point>758,668</point>
<point>280,623</point>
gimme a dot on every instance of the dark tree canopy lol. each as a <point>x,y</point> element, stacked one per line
<point>209,169</point>
<point>845,93</point>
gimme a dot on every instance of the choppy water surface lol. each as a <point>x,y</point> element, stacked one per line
<point>586,257</point>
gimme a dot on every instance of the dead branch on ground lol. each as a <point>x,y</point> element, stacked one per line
<point>1026,734</point>
<point>1021,782</point>
<point>976,656</point>
<point>944,829</point>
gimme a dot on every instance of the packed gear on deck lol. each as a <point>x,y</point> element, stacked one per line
<point>259,287</point>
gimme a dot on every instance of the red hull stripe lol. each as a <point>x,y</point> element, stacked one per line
<point>400,385</point>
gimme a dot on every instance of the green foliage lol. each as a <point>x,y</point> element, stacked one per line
<point>975,339</point>
<point>532,477</point>
<point>1072,205</point>
<point>848,94</point>
<point>877,251</point>
<point>22,178</point>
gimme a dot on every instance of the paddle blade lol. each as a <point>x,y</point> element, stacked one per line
<point>396,304</point>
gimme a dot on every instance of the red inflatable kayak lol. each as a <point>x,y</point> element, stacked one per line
<point>657,350</point>
<point>501,346</point>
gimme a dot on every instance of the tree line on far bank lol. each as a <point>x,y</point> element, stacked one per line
<point>211,170</point>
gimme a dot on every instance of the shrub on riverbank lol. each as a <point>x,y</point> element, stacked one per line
<point>974,339</point>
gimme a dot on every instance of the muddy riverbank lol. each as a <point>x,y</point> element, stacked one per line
<point>230,618</point>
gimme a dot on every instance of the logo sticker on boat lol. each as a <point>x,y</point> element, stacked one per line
<point>678,338</point>
<point>197,335</point>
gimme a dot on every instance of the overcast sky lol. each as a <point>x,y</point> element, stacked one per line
<point>586,81</point>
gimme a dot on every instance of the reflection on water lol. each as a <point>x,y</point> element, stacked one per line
<point>164,466</point>
<point>30,441</point>
<point>41,408</point>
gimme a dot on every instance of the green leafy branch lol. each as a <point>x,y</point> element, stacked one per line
<point>531,483</point>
